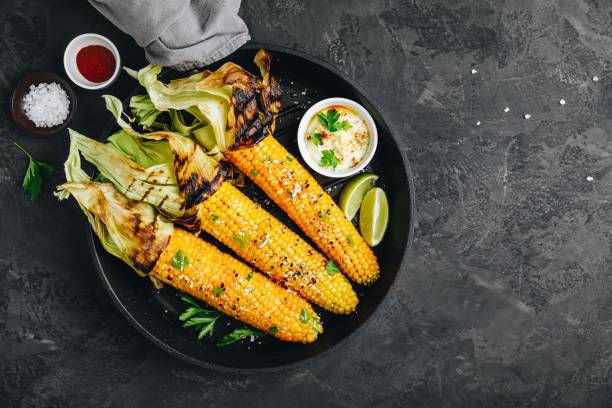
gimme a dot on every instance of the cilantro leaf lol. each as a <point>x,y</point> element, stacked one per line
<point>242,239</point>
<point>344,125</point>
<point>35,175</point>
<point>329,120</point>
<point>331,268</point>
<point>218,291</point>
<point>329,159</point>
<point>273,329</point>
<point>249,276</point>
<point>305,316</point>
<point>179,260</point>
<point>238,334</point>
<point>317,138</point>
<point>350,240</point>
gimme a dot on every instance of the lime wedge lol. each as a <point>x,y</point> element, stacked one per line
<point>352,194</point>
<point>374,216</point>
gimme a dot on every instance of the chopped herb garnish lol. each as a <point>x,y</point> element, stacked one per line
<point>238,334</point>
<point>329,120</point>
<point>180,260</point>
<point>290,192</point>
<point>349,239</point>
<point>305,316</point>
<point>242,239</point>
<point>323,215</point>
<point>331,268</point>
<point>36,173</point>
<point>289,158</point>
<point>214,217</point>
<point>218,291</point>
<point>329,159</point>
<point>203,320</point>
<point>317,138</point>
<point>249,276</point>
<point>273,329</point>
<point>254,173</point>
<point>267,159</point>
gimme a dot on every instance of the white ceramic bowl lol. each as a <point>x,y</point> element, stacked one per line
<point>70,64</point>
<point>311,113</point>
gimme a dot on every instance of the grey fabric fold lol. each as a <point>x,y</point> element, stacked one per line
<point>182,34</point>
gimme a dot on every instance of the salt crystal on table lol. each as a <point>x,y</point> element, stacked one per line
<point>589,178</point>
<point>595,78</point>
<point>506,109</point>
<point>478,123</point>
<point>46,105</point>
<point>474,71</point>
<point>562,101</point>
<point>527,116</point>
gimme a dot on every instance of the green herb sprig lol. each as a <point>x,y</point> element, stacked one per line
<point>331,268</point>
<point>329,159</point>
<point>35,175</point>
<point>239,334</point>
<point>203,320</point>
<point>179,260</point>
<point>329,120</point>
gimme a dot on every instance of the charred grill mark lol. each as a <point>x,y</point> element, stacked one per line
<point>194,188</point>
<point>147,193</point>
<point>151,244</point>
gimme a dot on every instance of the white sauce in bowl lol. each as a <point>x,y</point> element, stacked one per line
<point>337,138</point>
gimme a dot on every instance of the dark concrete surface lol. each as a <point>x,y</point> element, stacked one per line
<point>505,299</point>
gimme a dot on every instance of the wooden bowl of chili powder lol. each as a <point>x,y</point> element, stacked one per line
<point>92,61</point>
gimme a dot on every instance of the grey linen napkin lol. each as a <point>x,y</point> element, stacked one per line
<point>182,34</point>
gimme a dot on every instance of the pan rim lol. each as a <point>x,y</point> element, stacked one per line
<point>351,336</point>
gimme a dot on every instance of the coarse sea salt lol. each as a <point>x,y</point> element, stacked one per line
<point>46,105</point>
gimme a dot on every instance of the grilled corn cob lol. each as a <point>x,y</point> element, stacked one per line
<point>293,189</point>
<point>233,288</point>
<point>135,233</point>
<point>270,246</point>
<point>227,214</point>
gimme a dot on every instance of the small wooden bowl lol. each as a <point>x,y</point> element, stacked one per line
<point>23,87</point>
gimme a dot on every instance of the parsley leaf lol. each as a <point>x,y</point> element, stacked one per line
<point>323,215</point>
<point>249,276</point>
<point>273,329</point>
<point>254,173</point>
<point>238,334</point>
<point>242,239</point>
<point>218,291</point>
<point>35,175</point>
<point>317,138</point>
<point>289,158</point>
<point>350,240</point>
<point>203,320</point>
<point>305,316</point>
<point>329,159</point>
<point>214,217</point>
<point>329,120</point>
<point>331,268</point>
<point>180,260</point>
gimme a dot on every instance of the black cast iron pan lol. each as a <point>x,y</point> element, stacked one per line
<point>304,80</point>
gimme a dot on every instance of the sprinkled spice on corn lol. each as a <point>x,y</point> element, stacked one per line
<point>270,246</point>
<point>295,191</point>
<point>233,288</point>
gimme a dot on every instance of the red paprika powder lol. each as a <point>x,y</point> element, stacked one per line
<point>96,63</point>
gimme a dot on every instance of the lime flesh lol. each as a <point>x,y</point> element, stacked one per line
<point>352,194</point>
<point>374,216</point>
